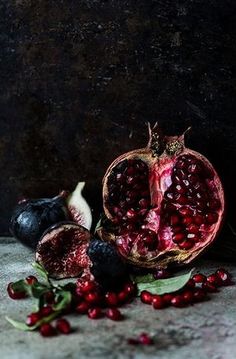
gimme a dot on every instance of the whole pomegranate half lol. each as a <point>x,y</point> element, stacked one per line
<point>165,202</point>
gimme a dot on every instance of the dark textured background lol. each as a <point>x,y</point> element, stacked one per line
<point>79,79</point>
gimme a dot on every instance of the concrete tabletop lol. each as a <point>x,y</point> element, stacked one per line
<point>205,330</point>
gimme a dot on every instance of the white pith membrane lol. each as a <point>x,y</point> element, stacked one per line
<point>78,207</point>
<point>166,226</point>
<point>62,250</point>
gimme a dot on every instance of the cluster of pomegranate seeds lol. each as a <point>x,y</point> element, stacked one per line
<point>143,339</point>
<point>190,206</point>
<point>195,290</point>
<point>62,327</point>
<point>94,302</point>
<point>129,196</point>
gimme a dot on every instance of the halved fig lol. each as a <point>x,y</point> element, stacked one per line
<point>62,250</point>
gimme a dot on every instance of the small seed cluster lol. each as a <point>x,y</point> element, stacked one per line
<point>196,290</point>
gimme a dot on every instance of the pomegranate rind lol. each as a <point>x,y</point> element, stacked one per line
<point>62,250</point>
<point>172,255</point>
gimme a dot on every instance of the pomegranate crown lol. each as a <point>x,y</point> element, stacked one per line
<point>160,143</point>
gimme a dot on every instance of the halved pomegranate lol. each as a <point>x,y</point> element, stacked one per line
<point>165,202</point>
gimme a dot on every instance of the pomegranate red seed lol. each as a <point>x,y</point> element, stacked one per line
<point>178,301</point>
<point>193,228</point>
<point>129,288</point>
<point>158,302</point>
<point>95,313</point>
<point>177,229</point>
<point>161,274</point>
<point>199,278</point>
<point>31,279</point>
<point>199,219</point>
<point>212,217</point>
<point>144,203</point>
<point>214,279</point>
<point>199,295</point>
<point>224,276</point>
<point>131,214</point>
<point>185,211</point>
<point>209,287</point>
<point>187,244</point>
<point>180,189</point>
<point>33,318</point>
<point>187,220</point>
<point>63,326</point>
<point>145,339</point>
<point>82,308</point>
<point>181,199</point>
<point>214,204</point>
<point>146,297</point>
<point>47,330</point>
<point>45,311</point>
<point>122,296</point>
<point>179,237</point>
<point>111,299</point>
<point>114,314</point>
<point>188,296</point>
<point>87,286</point>
<point>167,298</point>
<point>15,294</point>
<point>190,283</point>
<point>93,298</point>
<point>174,219</point>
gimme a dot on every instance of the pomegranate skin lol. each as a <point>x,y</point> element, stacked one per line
<point>164,204</point>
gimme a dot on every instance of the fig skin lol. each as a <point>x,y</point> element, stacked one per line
<point>32,217</point>
<point>108,267</point>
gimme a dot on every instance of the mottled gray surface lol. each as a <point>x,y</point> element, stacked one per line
<point>206,330</point>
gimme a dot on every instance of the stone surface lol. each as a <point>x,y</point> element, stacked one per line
<point>203,331</point>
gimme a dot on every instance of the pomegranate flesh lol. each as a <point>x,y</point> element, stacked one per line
<point>62,250</point>
<point>164,203</point>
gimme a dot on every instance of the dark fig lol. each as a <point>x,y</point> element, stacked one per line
<point>32,217</point>
<point>62,250</point>
<point>108,267</point>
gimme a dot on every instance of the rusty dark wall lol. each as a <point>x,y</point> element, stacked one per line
<point>79,79</point>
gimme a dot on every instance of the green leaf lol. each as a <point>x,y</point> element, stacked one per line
<point>38,289</point>
<point>162,286</point>
<point>23,326</point>
<point>142,278</point>
<point>40,270</point>
<point>19,325</point>
<point>63,299</point>
<point>21,286</point>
